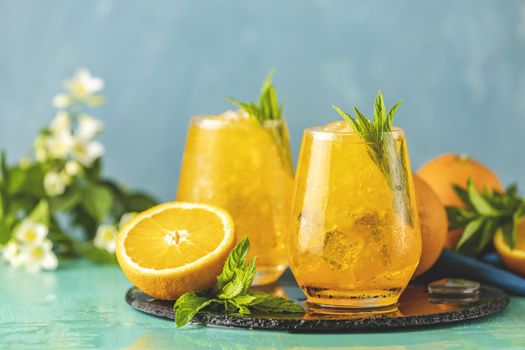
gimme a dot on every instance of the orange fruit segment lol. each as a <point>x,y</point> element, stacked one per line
<point>513,259</point>
<point>434,225</point>
<point>174,248</point>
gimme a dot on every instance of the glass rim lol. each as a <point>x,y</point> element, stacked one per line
<point>211,120</point>
<point>317,132</point>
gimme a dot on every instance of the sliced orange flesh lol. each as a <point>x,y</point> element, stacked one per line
<point>173,238</point>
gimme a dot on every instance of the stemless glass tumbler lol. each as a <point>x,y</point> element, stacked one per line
<point>355,237</point>
<point>234,162</point>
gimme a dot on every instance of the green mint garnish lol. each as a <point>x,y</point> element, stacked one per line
<point>269,109</point>
<point>483,215</point>
<point>231,293</point>
<point>383,150</point>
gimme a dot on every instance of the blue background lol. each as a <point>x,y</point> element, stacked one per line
<point>459,66</point>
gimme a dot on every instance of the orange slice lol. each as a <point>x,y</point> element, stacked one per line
<point>513,259</point>
<point>174,248</point>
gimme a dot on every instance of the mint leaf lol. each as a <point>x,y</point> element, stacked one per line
<point>270,304</point>
<point>244,299</point>
<point>236,259</point>
<point>248,275</point>
<point>509,232</point>
<point>462,194</point>
<point>233,288</point>
<point>187,306</point>
<point>478,202</point>
<point>231,294</point>
<point>470,230</point>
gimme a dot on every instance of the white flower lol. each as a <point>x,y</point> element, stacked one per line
<point>72,168</point>
<point>61,124</point>
<point>106,237</point>
<point>88,127</point>
<point>31,233</point>
<point>59,145</point>
<point>11,253</point>
<point>62,101</point>
<point>37,257</point>
<point>86,152</point>
<point>126,218</point>
<point>83,84</point>
<point>41,155</point>
<point>55,183</point>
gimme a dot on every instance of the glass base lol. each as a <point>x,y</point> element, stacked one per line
<point>268,274</point>
<point>351,299</point>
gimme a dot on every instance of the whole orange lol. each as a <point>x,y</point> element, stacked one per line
<point>434,224</point>
<point>445,170</point>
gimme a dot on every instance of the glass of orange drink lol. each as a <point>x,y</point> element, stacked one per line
<point>241,161</point>
<point>354,237</point>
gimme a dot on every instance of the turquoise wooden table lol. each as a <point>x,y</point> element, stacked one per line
<point>82,306</point>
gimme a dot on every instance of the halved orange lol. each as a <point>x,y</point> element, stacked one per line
<point>174,248</point>
<point>513,259</point>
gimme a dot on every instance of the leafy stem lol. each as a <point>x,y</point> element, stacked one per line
<point>268,114</point>
<point>382,148</point>
<point>483,215</point>
<point>231,293</point>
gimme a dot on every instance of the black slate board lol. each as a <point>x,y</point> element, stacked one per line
<point>415,310</point>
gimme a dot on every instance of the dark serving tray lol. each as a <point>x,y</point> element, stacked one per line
<point>415,310</point>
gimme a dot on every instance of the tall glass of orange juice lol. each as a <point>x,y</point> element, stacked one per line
<point>242,162</point>
<point>354,237</point>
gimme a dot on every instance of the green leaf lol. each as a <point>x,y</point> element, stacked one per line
<point>97,202</point>
<point>28,181</point>
<point>462,193</point>
<point>392,112</point>
<point>233,288</point>
<point>67,201</point>
<point>41,213</point>
<point>248,275</point>
<point>379,111</point>
<point>236,260</point>
<point>3,206</point>
<point>268,107</point>
<point>4,171</point>
<point>244,299</point>
<point>478,202</point>
<point>509,232</point>
<point>187,306</point>
<point>487,232</point>
<point>271,304</point>
<point>139,201</point>
<point>470,230</point>
<point>5,231</point>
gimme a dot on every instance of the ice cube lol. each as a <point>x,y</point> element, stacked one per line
<point>341,249</point>
<point>339,125</point>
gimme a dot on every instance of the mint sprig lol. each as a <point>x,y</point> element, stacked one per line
<point>268,109</point>
<point>383,150</point>
<point>483,215</point>
<point>231,293</point>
